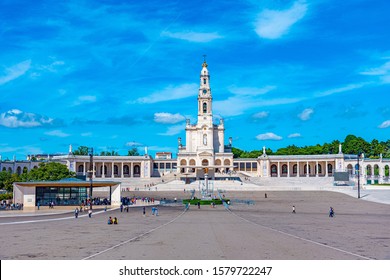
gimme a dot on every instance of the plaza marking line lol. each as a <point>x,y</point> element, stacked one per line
<point>138,236</point>
<point>300,238</point>
<point>56,219</point>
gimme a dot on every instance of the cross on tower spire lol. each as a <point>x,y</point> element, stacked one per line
<point>204,61</point>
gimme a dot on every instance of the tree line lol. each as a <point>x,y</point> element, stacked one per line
<point>84,151</point>
<point>51,171</point>
<point>351,145</point>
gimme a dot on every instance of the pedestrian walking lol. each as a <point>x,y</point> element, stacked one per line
<point>39,205</point>
<point>76,212</point>
<point>293,209</point>
<point>144,211</point>
<point>198,204</point>
<point>90,213</point>
<point>331,212</point>
<point>121,207</point>
<point>265,195</point>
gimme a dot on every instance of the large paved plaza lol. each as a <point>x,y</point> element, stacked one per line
<point>265,230</point>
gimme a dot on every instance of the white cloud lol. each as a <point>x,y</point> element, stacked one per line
<point>251,91</point>
<point>273,24</point>
<point>168,118</point>
<point>306,114</point>
<point>198,37</point>
<point>341,89</point>
<point>57,133</point>
<point>15,71</point>
<point>382,71</point>
<point>169,93</point>
<point>294,135</point>
<point>260,115</point>
<point>237,105</point>
<point>133,143</point>
<point>174,130</point>
<point>85,99</point>
<point>385,124</point>
<point>268,136</point>
<point>86,134</point>
<point>17,118</point>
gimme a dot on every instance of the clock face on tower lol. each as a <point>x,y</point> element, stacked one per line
<point>204,91</point>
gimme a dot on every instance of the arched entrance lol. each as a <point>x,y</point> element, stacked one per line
<point>137,171</point>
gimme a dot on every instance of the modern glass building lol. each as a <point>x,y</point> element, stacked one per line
<point>62,193</point>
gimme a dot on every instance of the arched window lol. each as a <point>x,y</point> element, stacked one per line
<point>226,162</point>
<point>126,170</point>
<point>369,170</point>
<point>80,168</point>
<point>9,169</point>
<point>204,107</point>
<point>19,170</point>
<point>376,170</point>
<point>295,169</point>
<point>192,162</point>
<point>349,168</point>
<point>116,170</point>
<point>330,168</point>
<point>284,169</point>
<point>204,81</point>
<point>205,139</point>
<point>183,162</point>
<point>217,162</point>
<point>205,162</point>
<point>25,169</point>
<point>137,171</point>
<point>274,170</point>
<point>4,169</point>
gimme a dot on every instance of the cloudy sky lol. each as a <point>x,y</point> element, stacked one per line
<point>120,74</point>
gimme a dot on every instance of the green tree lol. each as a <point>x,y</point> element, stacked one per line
<point>81,151</point>
<point>8,183</point>
<point>4,176</point>
<point>133,152</point>
<point>51,171</point>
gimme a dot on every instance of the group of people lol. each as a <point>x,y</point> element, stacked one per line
<point>112,221</point>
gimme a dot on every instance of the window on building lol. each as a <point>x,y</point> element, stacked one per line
<point>205,107</point>
<point>204,81</point>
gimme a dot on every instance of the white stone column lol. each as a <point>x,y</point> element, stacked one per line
<point>131,170</point>
<point>298,169</point>
<point>288,169</point>
<point>93,170</point>
<point>122,170</point>
<point>112,170</point>
<point>84,169</point>
<point>326,169</point>
<point>316,169</point>
<point>103,175</point>
<point>307,169</point>
<point>279,173</point>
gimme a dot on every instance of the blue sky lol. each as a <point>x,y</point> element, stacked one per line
<point>120,74</point>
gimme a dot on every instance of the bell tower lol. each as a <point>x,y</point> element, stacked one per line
<point>205,113</point>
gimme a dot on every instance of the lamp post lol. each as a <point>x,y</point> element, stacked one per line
<point>90,152</point>
<point>358,173</point>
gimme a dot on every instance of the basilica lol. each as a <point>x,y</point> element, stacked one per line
<point>206,152</point>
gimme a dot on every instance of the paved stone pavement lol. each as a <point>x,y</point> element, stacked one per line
<point>265,230</point>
